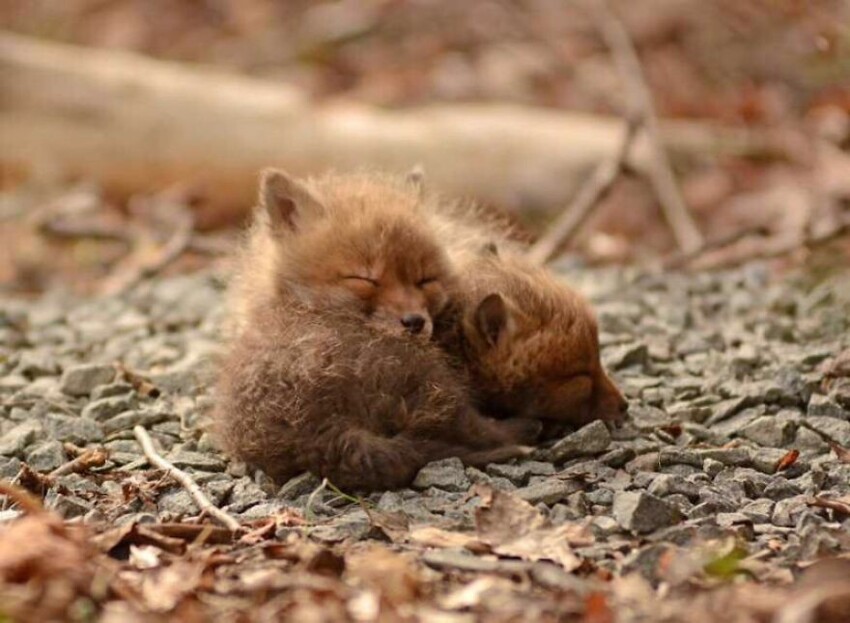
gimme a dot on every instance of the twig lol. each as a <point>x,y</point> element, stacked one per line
<point>772,252</point>
<point>176,245</point>
<point>589,195</point>
<point>836,505</point>
<point>661,175</point>
<point>94,457</point>
<point>203,502</point>
<point>308,507</point>
<point>680,259</point>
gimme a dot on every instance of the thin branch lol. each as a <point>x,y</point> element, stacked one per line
<point>770,252</point>
<point>661,175</point>
<point>94,457</point>
<point>589,196</point>
<point>176,245</point>
<point>680,259</point>
<point>203,502</point>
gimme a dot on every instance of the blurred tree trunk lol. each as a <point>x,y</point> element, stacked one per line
<point>134,123</point>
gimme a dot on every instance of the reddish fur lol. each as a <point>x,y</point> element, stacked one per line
<point>545,362</point>
<point>319,378</point>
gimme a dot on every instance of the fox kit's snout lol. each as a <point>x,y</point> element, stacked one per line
<point>355,243</point>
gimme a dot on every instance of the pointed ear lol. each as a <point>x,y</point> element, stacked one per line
<point>415,178</point>
<point>492,317</point>
<point>286,200</point>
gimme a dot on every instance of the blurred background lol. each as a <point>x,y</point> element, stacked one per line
<point>131,131</point>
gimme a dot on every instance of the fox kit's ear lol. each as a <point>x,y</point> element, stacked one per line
<point>286,200</point>
<point>415,178</point>
<point>492,318</point>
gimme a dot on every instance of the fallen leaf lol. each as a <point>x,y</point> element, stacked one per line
<point>164,587</point>
<point>471,595</point>
<point>787,461</point>
<point>432,536</point>
<point>513,527</point>
<point>392,576</point>
<point>843,454</point>
<point>145,556</point>
<point>597,610</point>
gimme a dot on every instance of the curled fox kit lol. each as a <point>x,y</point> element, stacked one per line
<point>375,333</point>
<point>329,371</point>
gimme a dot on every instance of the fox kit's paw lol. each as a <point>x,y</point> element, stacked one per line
<point>521,431</point>
<point>496,455</point>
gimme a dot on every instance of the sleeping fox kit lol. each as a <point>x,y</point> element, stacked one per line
<point>342,282</point>
<point>528,343</point>
<point>330,370</point>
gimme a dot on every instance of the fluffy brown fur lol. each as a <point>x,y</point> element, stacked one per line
<point>529,343</point>
<point>323,375</point>
<point>307,390</point>
<point>344,242</point>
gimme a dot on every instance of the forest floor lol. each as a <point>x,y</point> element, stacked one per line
<point>729,479</point>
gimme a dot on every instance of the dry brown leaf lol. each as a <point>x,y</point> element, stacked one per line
<point>472,594</point>
<point>842,453</point>
<point>431,536</point>
<point>821,595</point>
<point>164,587</point>
<point>513,527</point>
<point>394,577</point>
<point>787,461</point>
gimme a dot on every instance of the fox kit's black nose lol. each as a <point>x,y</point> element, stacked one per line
<point>413,323</point>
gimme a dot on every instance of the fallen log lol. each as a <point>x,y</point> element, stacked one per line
<point>134,123</point>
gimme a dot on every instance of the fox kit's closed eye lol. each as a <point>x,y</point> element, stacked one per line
<point>344,242</point>
<point>323,374</point>
<point>529,343</point>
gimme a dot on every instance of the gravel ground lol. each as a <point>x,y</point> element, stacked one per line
<point>726,374</point>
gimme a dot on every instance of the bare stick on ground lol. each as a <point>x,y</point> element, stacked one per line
<point>94,457</point>
<point>681,260</point>
<point>589,195</point>
<point>203,502</point>
<point>661,175</point>
<point>138,271</point>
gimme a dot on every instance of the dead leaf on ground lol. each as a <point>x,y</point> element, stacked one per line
<point>513,527</point>
<point>787,461</point>
<point>842,453</point>
<point>393,576</point>
<point>431,536</point>
<point>821,595</point>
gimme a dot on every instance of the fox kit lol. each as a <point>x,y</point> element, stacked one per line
<point>529,344</point>
<point>344,242</point>
<point>325,373</point>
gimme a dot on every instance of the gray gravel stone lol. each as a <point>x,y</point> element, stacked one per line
<point>594,438</point>
<point>106,408</point>
<point>15,441</point>
<point>47,456</point>
<point>832,428</point>
<point>197,460</point>
<point>74,429</point>
<point>519,474</point>
<point>81,380</point>
<point>548,491</point>
<point>826,406</point>
<point>447,474</point>
<point>772,431</point>
<point>641,512</point>
<point>128,419</point>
